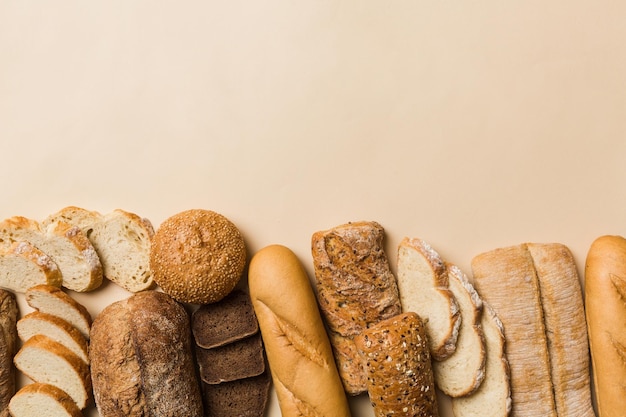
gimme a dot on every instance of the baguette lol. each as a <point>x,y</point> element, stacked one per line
<point>298,350</point>
<point>605,295</point>
<point>8,345</point>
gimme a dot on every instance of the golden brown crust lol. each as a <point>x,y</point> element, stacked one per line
<point>605,297</point>
<point>296,343</point>
<point>197,256</point>
<point>35,392</point>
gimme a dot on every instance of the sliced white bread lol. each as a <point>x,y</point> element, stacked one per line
<point>43,360</point>
<point>121,239</point>
<point>493,396</point>
<point>464,371</point>
<point>68,247</point>
<point>22,266</point>
<point>56,329</point>
<point>54,301</point>
<point>38,399</point>
<point>423,285</point>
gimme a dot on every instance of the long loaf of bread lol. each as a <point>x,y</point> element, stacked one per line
<point>605,297</point>
<point>8,346</point>
<point>298,350</point>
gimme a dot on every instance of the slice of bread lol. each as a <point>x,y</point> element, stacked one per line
<point>68,247</point>
<point>121,239</point>
<point>56,329</point>
<point>245,397</point>
<point>44,360</point>
<point>225,321</point>
<point>423,284</point>
<point>493,396</point>
<point>54,301</point>
<point>463,372</point>
<point>38,399</point>
<point>22,266</point>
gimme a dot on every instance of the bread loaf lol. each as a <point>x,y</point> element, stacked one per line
<point>22,266</point>
<point>141,359</point>
<point>303,369</point>
<point>8,346</point>
<point>39,399</point>
<point>355,289</point>
<point>605,295</point>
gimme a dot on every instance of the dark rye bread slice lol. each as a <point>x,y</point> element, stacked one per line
<point>225,321</point>
<point>243,398</point>
<point>241,359</point>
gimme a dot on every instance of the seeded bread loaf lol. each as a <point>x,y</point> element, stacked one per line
<point>355,289</point>
<point>22,266</point>
<point>8,345</point>
<point>38,399</point>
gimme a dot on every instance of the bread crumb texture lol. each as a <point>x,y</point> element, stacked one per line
<point>197,256</point>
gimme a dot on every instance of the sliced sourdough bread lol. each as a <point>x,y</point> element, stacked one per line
<point>68,247</point>
<point>493,396</point>
<point>54,301</point>
<point>462,373</point>
<point>38,399</point>
<point>423,284</point>
<point>44,360</point>
<point>56,329</point>
<point>22,266</point>
<point>121,239</point>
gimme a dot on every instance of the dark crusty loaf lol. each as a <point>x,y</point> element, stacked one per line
<point>242,398</point>
<point>237,360</point>
<point>398,367</point>
<point>141,359</point>
<point>225,321</point>
<point>8,345</point>
<point>355,289</point>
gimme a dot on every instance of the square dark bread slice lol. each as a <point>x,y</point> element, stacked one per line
<point>241,359</point>
<point>243,398</point>
<point>225,321</point>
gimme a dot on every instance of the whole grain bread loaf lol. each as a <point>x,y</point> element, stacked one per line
<point>8,344</point>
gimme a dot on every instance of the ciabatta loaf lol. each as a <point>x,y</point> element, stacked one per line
<point>46,361</point>
<point>38,399</point>
<point>121,239</point>
<point>462,373</point>
<point>68,247</point>
<point>424,288</point>
<point>22,266</point>
<point>355,288</point>
<point>8,345</point>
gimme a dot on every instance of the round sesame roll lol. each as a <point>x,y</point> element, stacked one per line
<point>197,256</point>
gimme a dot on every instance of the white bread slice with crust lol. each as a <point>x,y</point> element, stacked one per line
<point>493,397</point>
<point>54,301</point>
<point>43,360</point>
<point>68,247</point>
<point>121,239</point>
<point>39,399</point>
<point>463,372</point>
<point>22,266</point>
<point>56,329</point>
<point>423,285</point>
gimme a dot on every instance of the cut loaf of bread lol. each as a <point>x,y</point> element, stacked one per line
<point>423,284</point>
<point>54,301</point>
<point>44,360</point>
<point>462,373</point>
<point>121,239</point>
<point>68,247</point>
<point>56,329</point>
<point>38,399</point>
<point>22,266</point>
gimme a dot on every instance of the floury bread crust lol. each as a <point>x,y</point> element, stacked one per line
<point>23,266</point>
<point>355,289</point>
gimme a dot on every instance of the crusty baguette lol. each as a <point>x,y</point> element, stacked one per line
<point>8,345</point>
<point>605,295</point>
<point>141,359</point>
<point>398,367</point>
<point>355,288</point>
<point>22,266</point>
<point>462,373</point>
<point>506,279</point>
<point>298,350</point>
<point>566,328</point>
<point>424,288</point>
<point>39,399</point>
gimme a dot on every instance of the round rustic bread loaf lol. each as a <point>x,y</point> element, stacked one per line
<point>197,256</point>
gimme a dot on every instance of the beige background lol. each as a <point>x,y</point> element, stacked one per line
<point>472,125</point>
